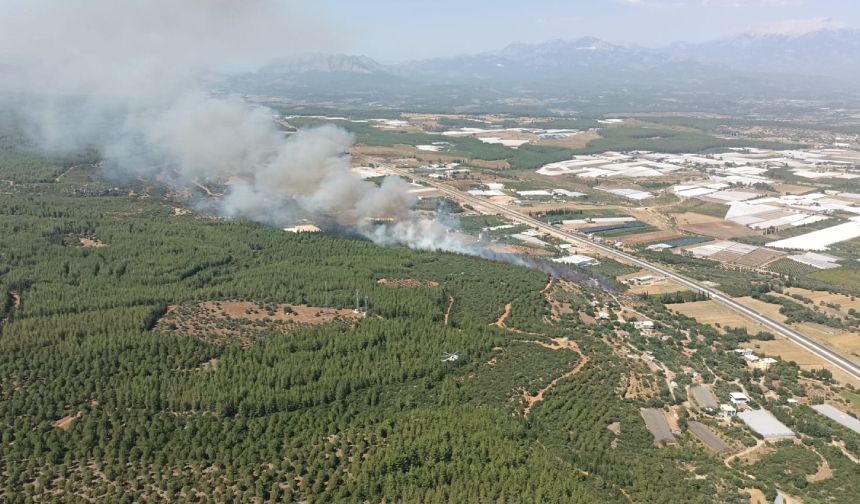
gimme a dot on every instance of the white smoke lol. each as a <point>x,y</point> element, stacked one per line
<point>130,78</point>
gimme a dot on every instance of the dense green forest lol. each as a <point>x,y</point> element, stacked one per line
<point>100,402</point>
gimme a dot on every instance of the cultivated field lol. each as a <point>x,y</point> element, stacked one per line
<point>709,225</point>
<point>650,237</point>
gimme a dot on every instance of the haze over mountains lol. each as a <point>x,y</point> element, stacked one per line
<point>774,65</point>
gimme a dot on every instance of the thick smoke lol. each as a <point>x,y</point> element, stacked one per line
<point>131,79</point>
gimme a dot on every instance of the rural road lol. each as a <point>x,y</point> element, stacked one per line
<point>822,351</point>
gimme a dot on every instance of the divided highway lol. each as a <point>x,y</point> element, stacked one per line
<point>822,351</point>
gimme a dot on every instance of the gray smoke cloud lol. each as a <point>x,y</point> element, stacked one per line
<point>130,78</point>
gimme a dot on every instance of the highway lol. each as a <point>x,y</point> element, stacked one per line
<point>822,351</point>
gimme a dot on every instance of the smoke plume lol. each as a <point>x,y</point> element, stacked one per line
<point>131,79</point>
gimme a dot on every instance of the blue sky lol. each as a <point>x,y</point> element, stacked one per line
<point>392,30</point>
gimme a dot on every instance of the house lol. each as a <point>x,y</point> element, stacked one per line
<point>727,411</point>
<point>643,325</point>
<point>739,398</point>
<point>765,364</point>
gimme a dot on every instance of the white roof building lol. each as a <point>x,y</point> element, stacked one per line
<point>739,398</point>
<point>577,260</point>
<point>765,424</point>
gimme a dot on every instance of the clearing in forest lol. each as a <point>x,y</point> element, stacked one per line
<point>66,422</point>
<point>91,243</point>
<point>221,321</point>
<point>410,283</point>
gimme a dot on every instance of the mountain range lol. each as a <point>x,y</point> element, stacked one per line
<point>748,66</point>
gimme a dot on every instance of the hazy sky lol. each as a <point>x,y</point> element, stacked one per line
<point>404,29</point>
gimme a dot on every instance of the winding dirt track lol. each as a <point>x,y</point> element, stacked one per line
<point>448,310</point>
<point>501,322</point>
<point>560,344</point>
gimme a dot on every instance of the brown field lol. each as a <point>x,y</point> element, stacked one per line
<point>789,351</point>
<point>406,282</point>
<point>578,141</point>
<point>651,236</point>
<point>409,151</point>
<point>66,422</point>
<point>90,243</point>
<point>712,313</point>
<point>792,188</point>
<point>846,302</point>
<point>711,226</point>
<point>222,321</point>
<point>845,342</point>
<point>657,288</point>
<point>759,258</point>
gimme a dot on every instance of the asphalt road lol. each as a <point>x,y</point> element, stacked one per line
<point>825,353</point>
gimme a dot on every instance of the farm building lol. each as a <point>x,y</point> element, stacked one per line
<point>728,411</point>
<point>577,260</point>
<point>304,228</point>
<point>765,424</point>
<point>739,398</point>
<point>704,397</point>
<point>843,419</point>
<point>644,325</point>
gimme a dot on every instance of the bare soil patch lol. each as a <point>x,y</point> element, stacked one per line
<point>178,212</point>
<point>448,309</point>
<point>410,283</point>
<point>66,422</point>
<point>91,243</point>
<point>657,288</point>
<point>16,300</point>
<point>711,226</point>
<point>823,473</point>
<point>651,236</point>
<point>577,141</point>
<point>714,314</point>
<point>504,316</point>
<point>756,496</point>
<point>222,321</point>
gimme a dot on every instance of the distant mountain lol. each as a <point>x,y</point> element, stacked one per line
<point>822,53</point>
<point>327,63</point>
<point>747,68</point>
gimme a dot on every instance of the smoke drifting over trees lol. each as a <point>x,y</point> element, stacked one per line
<point>131,79</point>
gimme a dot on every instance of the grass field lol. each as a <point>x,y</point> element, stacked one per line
<point>658,138</point>
<point>843,277</point>
<point>701,207</point>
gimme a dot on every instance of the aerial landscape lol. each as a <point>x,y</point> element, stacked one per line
<point>383,252</point>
